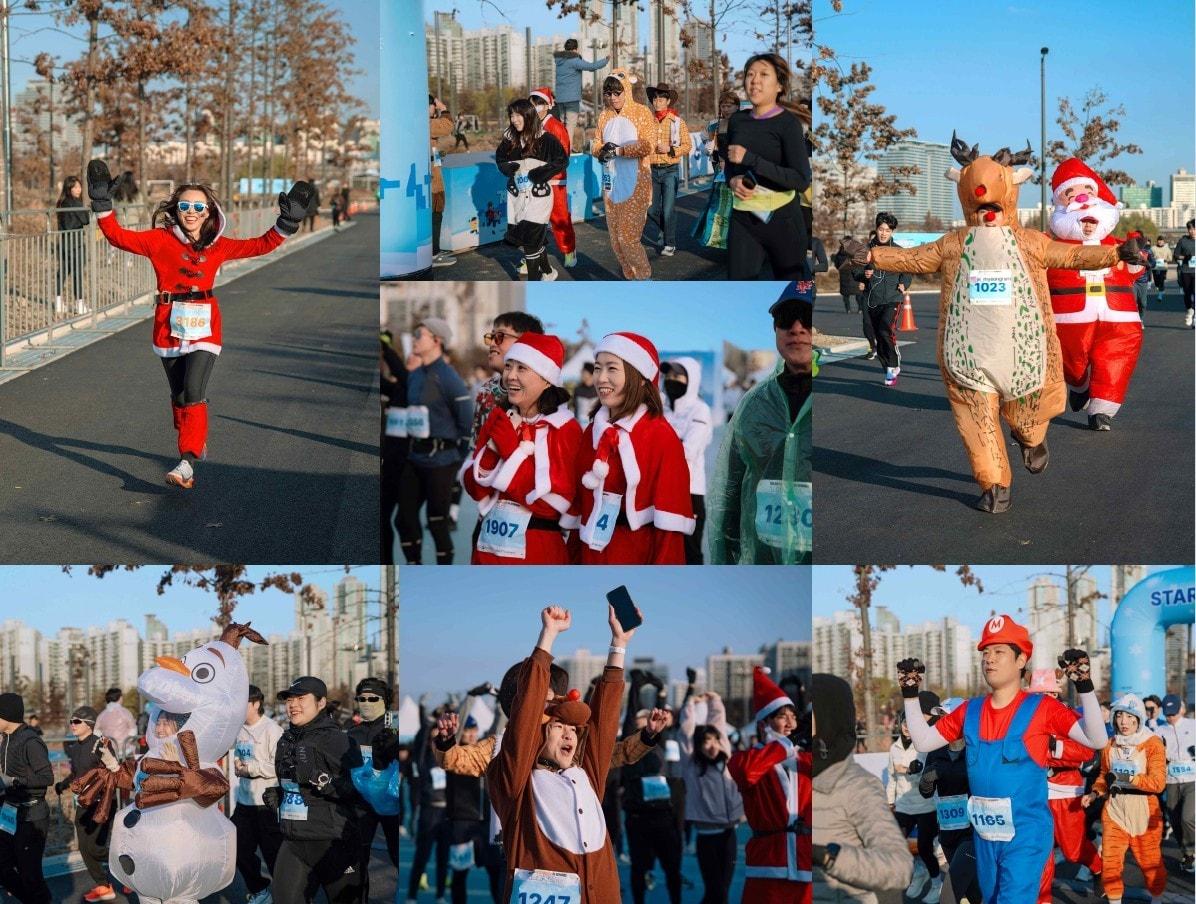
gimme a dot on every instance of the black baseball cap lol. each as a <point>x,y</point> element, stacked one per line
<point>305,685</point>
<point>374,685</point>
<point>1171,705</point>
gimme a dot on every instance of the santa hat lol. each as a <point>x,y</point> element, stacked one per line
<point>545,94</point>
<point>1003,629</point>
<point>636,350</point>
<point>1044,681</point>
<point>1071,172</point>
<point>767,697</point>
<point>542,353</point>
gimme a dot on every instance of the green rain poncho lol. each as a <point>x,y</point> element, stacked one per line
<point>759,504</point>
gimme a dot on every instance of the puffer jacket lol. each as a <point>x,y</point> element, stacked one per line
<point>902,790</point>
<point>850,811</point>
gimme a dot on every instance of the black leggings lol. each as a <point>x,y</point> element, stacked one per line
<point>781,241</point>
<point>419,484</point>
<point>716,860</point>
<point>331,865</point>
<point>188,375</point>
<point>1160,279</point>
<point>433,830</point>
<point>693,542</point>
<point>883,321</point>
<point>928,827</point>
<point>654,835</point>
<point>72,259</point>
<point>1186,278</point>
<point>21,858</point>
<point>367,824</point>
<point>394,456</point>
<point>257,827</point>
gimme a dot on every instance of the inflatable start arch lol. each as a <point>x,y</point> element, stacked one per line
<point>1140,625</point>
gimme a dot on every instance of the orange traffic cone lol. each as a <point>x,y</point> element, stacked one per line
<point>907,324</point>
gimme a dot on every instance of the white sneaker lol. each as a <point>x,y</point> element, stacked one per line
<point>181,475</point>
<point>550,276</point>
<point>444,259</point>
<point>917,884</point>
<point>668,250</point>
<point>262,897</point>
<point>81,306</point>
<point>936,891</point>
<point>1188,317</point>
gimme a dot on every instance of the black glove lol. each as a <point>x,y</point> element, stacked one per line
<point>607,151</point>
<point>910,673</point>
<point>293,207</point>
<point>929,776</point>
<point>691,675</point>
<point>482,690</point>
<point>1111,780</point>
<point>61,786</point>
<point>272,797</point>
<point>818,852</point>
<point>915,767</point>
<point>99,186</point>
<point>1078,668</point>
<point>1130,251</point>
<point>386,748</point>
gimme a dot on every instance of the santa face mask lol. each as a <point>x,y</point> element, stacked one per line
<point>1089,220</point>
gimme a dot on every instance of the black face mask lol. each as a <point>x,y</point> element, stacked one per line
<point>675,389</point>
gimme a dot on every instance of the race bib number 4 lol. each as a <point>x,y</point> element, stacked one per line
<point>544,887</point>
<point>504,531</point>
<point>990,287</point>
<point>190,321</point>
<point>992,817</point>
<point>604,524</point>
<point>784,519</point>
<point>953,812</point>
<point>293,806</point>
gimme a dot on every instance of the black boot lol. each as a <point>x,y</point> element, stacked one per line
<point>532,261</point>
<point>1077,400</point>
<point>1100,422</point>
<point>995,500</point>
<point>1036,458</point>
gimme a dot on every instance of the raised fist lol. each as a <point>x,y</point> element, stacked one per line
<point>556,619</point>
<point>99,186</point>
<point>1078,669</point>
<point>910,675</point>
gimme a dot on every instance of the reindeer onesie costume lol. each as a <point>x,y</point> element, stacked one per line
<point>997,348</point>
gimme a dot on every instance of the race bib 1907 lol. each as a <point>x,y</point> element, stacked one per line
<point>990,287</point>
<point>504,530</point>
<point>190,321</point>
<point>953,812</point>
<point>542,886</point>
<point>992,817</point>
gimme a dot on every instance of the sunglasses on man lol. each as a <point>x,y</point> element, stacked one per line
<point>367,698</point>
<point>498,337</point>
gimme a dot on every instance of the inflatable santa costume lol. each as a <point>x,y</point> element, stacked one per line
<point>634,506</point>
<point>773,778</point>
<point>522,470</point>
<point>561,219</point>
<point>1096,316</point>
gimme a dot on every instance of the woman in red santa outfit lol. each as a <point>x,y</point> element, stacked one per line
<point>1096,316</point>
<point>774,779</point>
<point>634,506</point>
<point>561,219</point>
<point>522,469</point>
<point>187,247</point>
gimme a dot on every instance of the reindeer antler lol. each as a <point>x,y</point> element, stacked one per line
<point>1024,156</point>
<point>961,152</point>
<point>233,633</point>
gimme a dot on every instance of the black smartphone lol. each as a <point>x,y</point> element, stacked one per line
<point>624,608</point>
<point>749,181</point>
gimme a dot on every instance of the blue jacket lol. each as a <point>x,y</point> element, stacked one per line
<point>450,411</point>
<point>569,67</point>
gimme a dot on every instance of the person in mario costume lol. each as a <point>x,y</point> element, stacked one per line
<point>1007,737</point>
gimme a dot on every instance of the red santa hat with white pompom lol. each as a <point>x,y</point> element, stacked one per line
<point>1074,171</point>
<point>767,696</point>
<point>639,353</point>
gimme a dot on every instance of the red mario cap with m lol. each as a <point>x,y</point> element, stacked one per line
<point>1003,629</point>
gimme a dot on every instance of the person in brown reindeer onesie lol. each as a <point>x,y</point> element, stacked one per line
<point>997,347</point>
<point>546,779</point>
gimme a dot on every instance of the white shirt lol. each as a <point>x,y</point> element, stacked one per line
<point>261,739</point>
<point>568,811</point>
<point>902,789</point>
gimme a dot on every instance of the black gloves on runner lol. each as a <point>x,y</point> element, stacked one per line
<point>99,186</point>
<point>607,151</point>
<point>915,767</point>
<point>910,673</point>
<point>293,207</point>
<point>1130,251</point>
<point>1078,668</point>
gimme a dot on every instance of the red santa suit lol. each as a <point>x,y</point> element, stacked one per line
<point>522,471</point>
<point>1096,317</point>
<point>187,315</point>
<point>773,778</point>
<point>561,219</point>
<point>634,506</point>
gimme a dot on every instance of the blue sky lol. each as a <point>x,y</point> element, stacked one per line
<point>690,315</point>
<point>974,67</point>
<point>31,34</point>
<point>461,626</point>
<point>917,594</point>
<point>45,598</point>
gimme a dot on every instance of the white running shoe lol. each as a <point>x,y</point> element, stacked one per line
<point>1188,317</point>
<point>936,891</point>
<point>181,475</point>
<point>917,884</point>
<point>262,897</point>
<point>668,250</point>
<point>550,275</point>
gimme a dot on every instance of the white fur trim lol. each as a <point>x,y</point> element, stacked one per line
<point>631,352</point>
<point>536,360</point>
<point>558,502</point>
<point>636,518</point>
<point>509,468</point>
<point>772,706</point>
<point>671,521</point>
<point>596,475</point>
<point>1103,406</point>
<point>569,522</point>
<point>179,351</point>
<point>543,472</point>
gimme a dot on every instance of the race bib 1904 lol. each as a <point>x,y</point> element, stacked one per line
<point>992,817</point>
<point>190,321</point>
<point>542,886</point>
<point>504,530</point>
<point>990,287</point>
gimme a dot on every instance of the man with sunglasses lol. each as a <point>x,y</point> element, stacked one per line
<point>84,754</point>
<point>372,698</point>
<point>758,504</point>
<point>504,333</point>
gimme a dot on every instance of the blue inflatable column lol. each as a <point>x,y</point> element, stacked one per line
<point>1138,634</point>
<point>405,185</point>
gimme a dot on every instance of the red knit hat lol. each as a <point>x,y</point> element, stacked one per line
<point>545,94</point>
<point>767,697</point>
<point>1003,629</point>
<point>542,353</point>
<point>636,350</point>
<point>1074,170</point>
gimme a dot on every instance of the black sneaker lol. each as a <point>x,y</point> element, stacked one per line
<point>871,356</point>
<point>1100,422</point>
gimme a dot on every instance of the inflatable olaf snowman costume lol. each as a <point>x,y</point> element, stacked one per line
<point>170,844</point>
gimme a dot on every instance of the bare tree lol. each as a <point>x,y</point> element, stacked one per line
<point>1090,133</point>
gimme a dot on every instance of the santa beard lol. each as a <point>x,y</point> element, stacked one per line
<point>1066,221</point>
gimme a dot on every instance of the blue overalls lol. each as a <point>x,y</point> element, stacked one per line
<point>1014,831</point>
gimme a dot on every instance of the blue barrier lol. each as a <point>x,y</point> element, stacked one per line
<point>1138,633</point>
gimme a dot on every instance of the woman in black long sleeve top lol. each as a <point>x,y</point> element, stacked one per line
<point>767,147</point>
<point>72,217</point>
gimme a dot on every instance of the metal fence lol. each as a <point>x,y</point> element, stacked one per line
<point>52,280</point>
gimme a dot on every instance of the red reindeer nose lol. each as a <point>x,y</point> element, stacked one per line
<point>980,190</point>
<point>574,694</point>
<point>989,216</point>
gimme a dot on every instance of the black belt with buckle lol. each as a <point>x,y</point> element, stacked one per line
<point>168,297</point>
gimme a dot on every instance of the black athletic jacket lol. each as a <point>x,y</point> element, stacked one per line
<point>318,757</point>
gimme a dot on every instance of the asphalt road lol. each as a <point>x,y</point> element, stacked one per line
<point>894,483</point>
<point>292,474</point>
<point>595,260</point>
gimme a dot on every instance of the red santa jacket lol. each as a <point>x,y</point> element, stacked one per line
<point>1077,298</point>
<point>179,268</point>
<point>774,781</point>
<point>641,459</point>
<point>1064,779</point>
<point>538,473</point>
<point>560,132</point>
